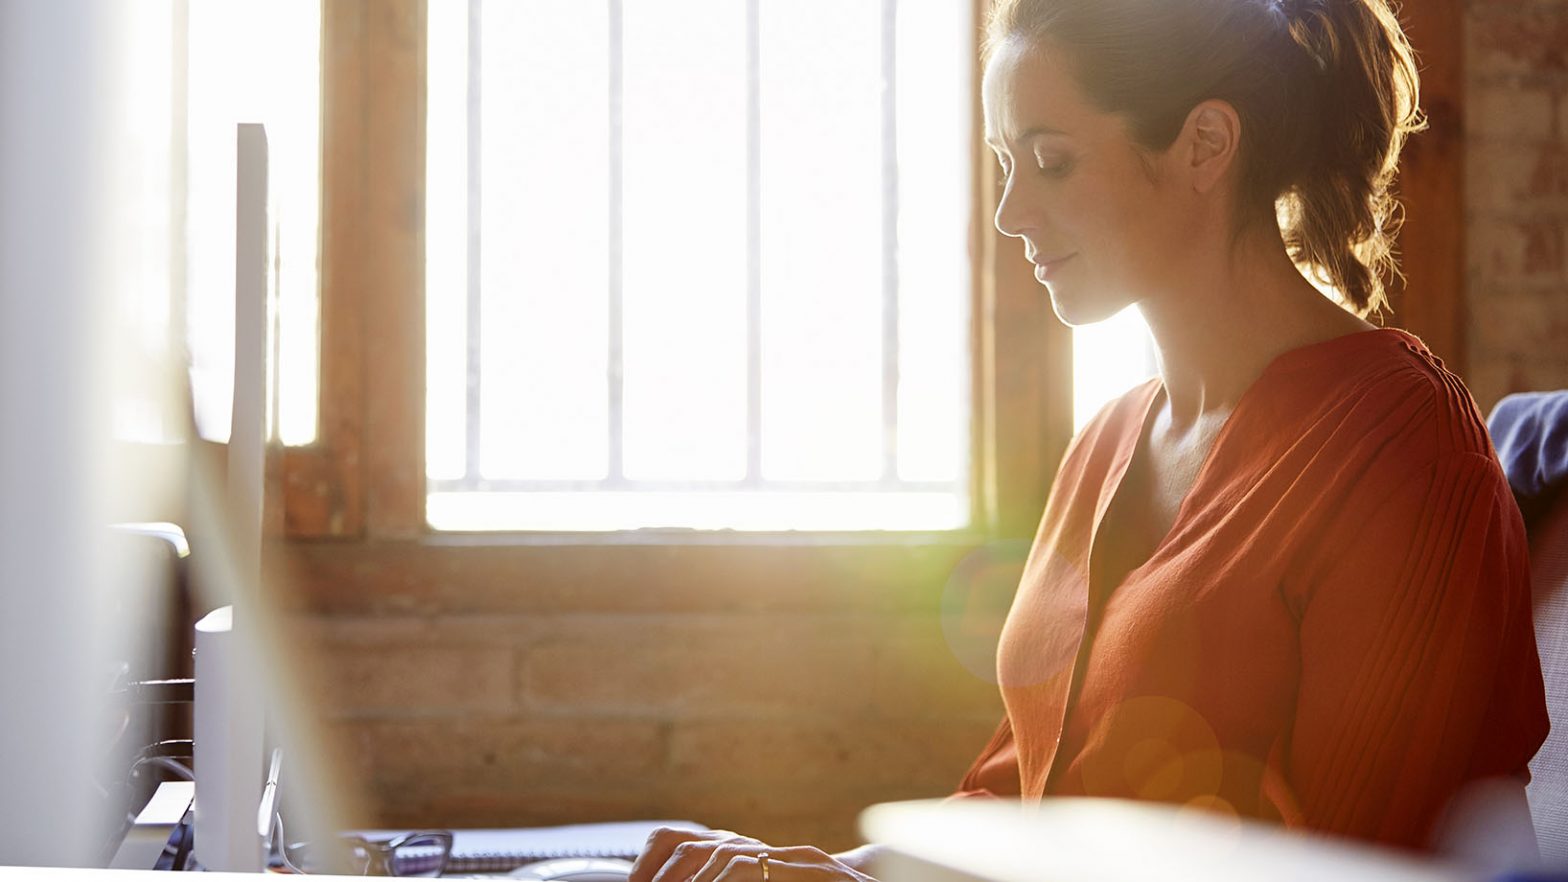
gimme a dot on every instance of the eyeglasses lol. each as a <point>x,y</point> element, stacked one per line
<point>422,853</point>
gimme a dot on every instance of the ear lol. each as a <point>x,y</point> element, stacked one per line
<point>1213,137</point>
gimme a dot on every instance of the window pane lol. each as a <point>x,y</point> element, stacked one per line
<point>670,220</point>
<point>253,61</point>
<point>934,80</point>
<point>294,132</point>
<point>144,409</point>
<point>446,242</point>
<point>1109,358</point>
<point>821,240</point>
<point>685,240</point>
<point>544,302</point>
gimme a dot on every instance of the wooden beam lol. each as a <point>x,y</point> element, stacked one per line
<point>372,280</point>
<point>322,483</point>
<point>1431,302</point>
<point>394,268</point>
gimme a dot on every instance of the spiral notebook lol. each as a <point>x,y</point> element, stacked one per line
<point>500,850</point>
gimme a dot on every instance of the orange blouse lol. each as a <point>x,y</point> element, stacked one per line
<point>1335,633</point>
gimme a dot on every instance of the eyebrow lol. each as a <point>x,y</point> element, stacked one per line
<point>1026,135</point>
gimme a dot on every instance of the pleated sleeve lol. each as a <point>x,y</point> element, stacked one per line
<point>1418,667</point>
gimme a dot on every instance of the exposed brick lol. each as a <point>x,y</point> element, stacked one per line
<point>1516,181</point>
<point>1543,248</point>
<point>1527,323</point>
<point>1487,380</point>
<point>428,758</point>
<point>415,679</point>
<point>1512,251</point>
<point>720,665</point>
<point>920,674</point>
<point>455,807</point>
<point>345,631</point>
<point>1516,38</point>
<point>1510,114</point>
<point>1560,113</point>
<point>455,579</point>
<point>786,756</point>
<point>1517,196</point>
<point>1549,173</point>
<point>1492,376</point>
<point>1541,375</point>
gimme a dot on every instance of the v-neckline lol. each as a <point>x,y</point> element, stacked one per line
<point>1095,605</point>
<point>1128,449</point>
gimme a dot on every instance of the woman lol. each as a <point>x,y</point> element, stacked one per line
<point>1286,578</point>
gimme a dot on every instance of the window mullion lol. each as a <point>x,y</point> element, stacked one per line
<point>475,151</point>
<point>890,182</point>
<point>753,245</point>
<point>617,378</point>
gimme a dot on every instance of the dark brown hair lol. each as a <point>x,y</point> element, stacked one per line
<point>1327,91</point>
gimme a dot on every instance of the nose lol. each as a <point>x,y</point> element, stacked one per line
<point>1009,210</point>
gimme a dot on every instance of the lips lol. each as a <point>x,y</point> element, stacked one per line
<point>1043,269</point>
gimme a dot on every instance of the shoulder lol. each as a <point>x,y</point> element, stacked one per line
<point>1376,429</point>
<point>1384,394</point>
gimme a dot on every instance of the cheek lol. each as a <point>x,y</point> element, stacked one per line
<point>1133,223</point>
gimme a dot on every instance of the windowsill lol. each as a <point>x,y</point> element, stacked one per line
<point>722,538</point>
<point>678,511</point>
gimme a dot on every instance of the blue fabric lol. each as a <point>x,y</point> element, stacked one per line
<point>1530,430</point>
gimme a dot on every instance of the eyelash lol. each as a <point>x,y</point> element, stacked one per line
<point>1058,170</point>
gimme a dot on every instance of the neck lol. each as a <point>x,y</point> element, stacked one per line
<point>1222,322</point>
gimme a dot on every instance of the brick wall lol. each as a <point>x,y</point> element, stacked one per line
<point>775,692</point>
<point>1516,177</point>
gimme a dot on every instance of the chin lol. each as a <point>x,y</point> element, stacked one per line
<point>1075,311</point>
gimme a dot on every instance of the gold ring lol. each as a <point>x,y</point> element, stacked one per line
<point>762,861</point>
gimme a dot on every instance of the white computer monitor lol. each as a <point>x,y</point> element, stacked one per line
<point>57,262</point>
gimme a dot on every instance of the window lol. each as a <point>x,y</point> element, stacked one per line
<point>698,265</point>
<point>251,61</point>
<point>190,74</point>
<point>145,410</point>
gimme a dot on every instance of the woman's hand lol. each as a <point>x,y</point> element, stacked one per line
<point>721,856</point>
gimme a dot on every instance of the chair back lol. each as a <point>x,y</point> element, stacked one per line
<point>1548,788</point>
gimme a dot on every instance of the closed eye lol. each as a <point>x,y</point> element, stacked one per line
<point>1053,165</point>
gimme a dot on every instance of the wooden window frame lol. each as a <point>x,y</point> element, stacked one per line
<point>364,478</point>
<point>372,282</point>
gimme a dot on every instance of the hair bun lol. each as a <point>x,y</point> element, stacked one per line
<point>1310,24</point>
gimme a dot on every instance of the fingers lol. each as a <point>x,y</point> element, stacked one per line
<point>748,868</point>
<point>657,850</point>
<point>721,856</point>
<point>673,855</point>
<point>736,855</point>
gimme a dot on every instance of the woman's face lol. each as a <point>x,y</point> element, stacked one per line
<point>1100,227</point>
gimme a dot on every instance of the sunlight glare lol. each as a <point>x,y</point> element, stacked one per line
<point>1109,358</point>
